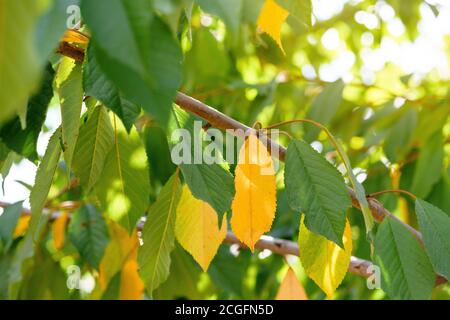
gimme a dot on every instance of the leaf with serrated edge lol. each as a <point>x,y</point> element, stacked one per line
<point>158,236</point>
<point>124,186</point>
<point>197,230</point>
<point>324,262</point>
<point>94,143</point>
<point>70,89</point>
<point>255,202</point>
<point>405,268</point>
<point>131,285</point>
<point>44,178</point>
<point>317,189</point>
<point>210,183</point>
<point>89,234</point>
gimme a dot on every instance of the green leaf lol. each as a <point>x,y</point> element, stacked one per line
<point>227,10</point>
<point>51,26</point>
<point>43,180</point>
<point>300,9</point>
<point>8,222</point>
<point>89,234</point>
<point>228,272</point>
<point>435,226</point>
<point>171,11</point>
<point>204,46</point>
<point>97,85</point>
<point>405,268</point>
<point>158,236</point>
<point>158,152</point>
<point>183,269</point>
<point>19,67</point>
<point>45,281</point>
<point>211,183</point>
<point>70,90</point>
<point>5,267</point>
<point>317,189</point>
<point>24,141</point>
<point>429,166</point>
<point>94,144</point>
<point>23,259</point>
<point>324,107</point>
<point>112,292</point>
<point>141,57</point>
<point>124,187</point>
<point>398,139</point>
<point>5,166</point>
<point>439,195</point>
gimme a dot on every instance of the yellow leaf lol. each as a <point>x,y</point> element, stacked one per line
<point>324,261</point>
<point>75,36</point>
<point>59,229</point>
<point>255,201</point>
<point>117,252</point>
<point>131,285</point>
<point>291,288</point>
<point>271,19</point>
<point>197,229</point>
<point>22,226</point>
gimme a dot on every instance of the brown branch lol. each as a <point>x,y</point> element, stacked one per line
<point>71,51</point>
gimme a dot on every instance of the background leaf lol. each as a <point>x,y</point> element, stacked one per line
<point>44,178</point>
<point>227,10</point>
<point>429,166</point>
<point>89,234</point>
<point>70,90</point>
<point>8,222</point>
<point>300,9</point>
<point>24,141</point>
<point>291,288</point>
<point>271,20</point>
<point>97,84</point>
<point>324,108</point>
<point>19,67</point>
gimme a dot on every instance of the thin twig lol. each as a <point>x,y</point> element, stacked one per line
<point>379,193</point>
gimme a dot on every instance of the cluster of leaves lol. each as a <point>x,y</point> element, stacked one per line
<point>117,116</point>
